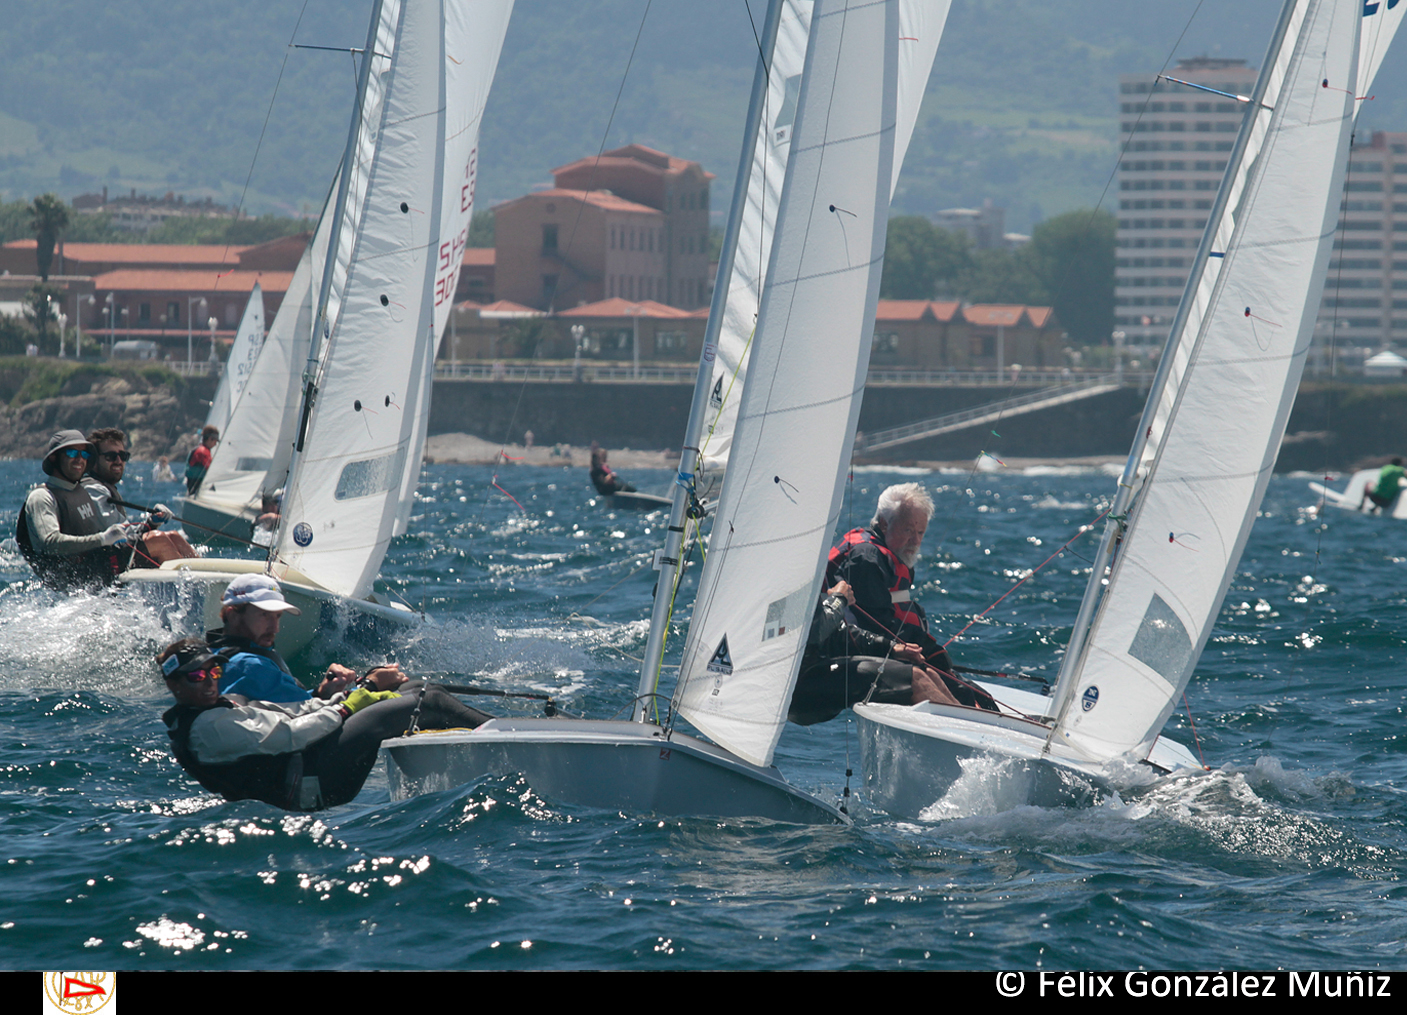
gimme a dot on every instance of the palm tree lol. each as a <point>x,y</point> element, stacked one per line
<point>47,218</point>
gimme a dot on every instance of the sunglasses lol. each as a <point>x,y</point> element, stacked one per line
<point>115,456</point>
<point>203,674</point>
<point>82,453</point>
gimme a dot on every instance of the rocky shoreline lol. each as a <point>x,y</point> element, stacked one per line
<point>161,411</point>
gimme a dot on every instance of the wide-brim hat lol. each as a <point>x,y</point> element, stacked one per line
<point>257,590</point>
<point>63,439</point>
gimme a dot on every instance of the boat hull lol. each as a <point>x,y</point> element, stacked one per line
<point>616,765</point>
<point>913,756</point>
<point>1352,497</point>
<point>229,522</point>
<point>187,594</point>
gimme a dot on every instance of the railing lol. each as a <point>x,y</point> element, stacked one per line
<point>586,372</point>
<point>1030,401</point>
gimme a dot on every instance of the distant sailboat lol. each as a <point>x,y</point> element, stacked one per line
<point>400,222</point>
<point>808,363</point>
<point>256,444</point>
<point>1199,465</point>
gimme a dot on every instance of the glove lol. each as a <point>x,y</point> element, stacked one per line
<point>117,535</point>
<point>360,698</point>
<point>160,515</point>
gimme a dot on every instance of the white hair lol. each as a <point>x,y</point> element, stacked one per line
<point>910,496</point>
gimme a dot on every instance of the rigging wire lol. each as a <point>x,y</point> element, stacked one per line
<point>268,113</point>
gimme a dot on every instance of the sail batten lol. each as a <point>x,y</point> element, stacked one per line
<point>783,490</point>
<point>1236,362</point>
<point>405,221</point>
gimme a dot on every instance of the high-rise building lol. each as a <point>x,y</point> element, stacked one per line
<point>1176,141</point>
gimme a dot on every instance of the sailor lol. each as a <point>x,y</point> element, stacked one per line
<point>603,477</point>
<point>877,563</point>
<point>60,531</point>
<point>303,756</point>
<point>1387,489</point>
<point>251,609</point>
<point>844,664</point>
<point>109,465</point>
<point>198,464</point>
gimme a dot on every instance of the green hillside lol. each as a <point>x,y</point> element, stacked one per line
<point>1020,108</point>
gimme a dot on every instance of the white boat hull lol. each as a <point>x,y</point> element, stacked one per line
<point>913,755</point>
<point>1352,498</point>
<point>233,520</point>
<point>187,593</point>
<point>616,765</point>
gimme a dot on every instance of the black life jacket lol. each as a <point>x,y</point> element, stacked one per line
<point>79,515</point>
<point>273,778</point>
<point>905,610</point>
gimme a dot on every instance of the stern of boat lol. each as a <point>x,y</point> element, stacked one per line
<point>613,765</point>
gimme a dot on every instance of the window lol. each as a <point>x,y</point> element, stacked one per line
<point>143,313</point>
<point>173,312</point>
<point>549,239</point>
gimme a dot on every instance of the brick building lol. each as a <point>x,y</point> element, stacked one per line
<point>631,224</point>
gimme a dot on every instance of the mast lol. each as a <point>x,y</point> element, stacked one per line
<point>1232,369</point>
<point>321,326</point>
<point>669,564</point>
<point>1218,232</point>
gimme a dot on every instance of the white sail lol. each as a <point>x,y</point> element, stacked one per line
<point>244,351</point>
<point>366,425</point>
<point>920,29</point>
<point>256,446</point>
<point>1381,20</point>
<point>474,35</point>
<point>807,371</point>
<point>1237,356</point>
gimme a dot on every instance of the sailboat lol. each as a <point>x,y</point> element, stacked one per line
<point>1199,465</point>
<point>399,225</point>
<point>807,368</point>
<point>256,442</point>
<point>1353,497</point>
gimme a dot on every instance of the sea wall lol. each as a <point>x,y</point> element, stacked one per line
<point>1332,426</point>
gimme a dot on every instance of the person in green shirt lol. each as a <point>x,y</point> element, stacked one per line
<point>1389,485</point>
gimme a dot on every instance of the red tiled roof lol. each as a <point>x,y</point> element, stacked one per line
<point>994,314</point>
<point>148,253</point>
<point>169,280</point>
<point>634,153</point>
<point>901,310</point>
<point>600,198</point>
<point>508,307</point>
<point>1040,316</point>
<point>617,307</point>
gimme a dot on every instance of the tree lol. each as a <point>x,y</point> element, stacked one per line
<point>1002,276</point>
<point>41,305</point>
<point>1073,256</point>
<point>920,259</point>
<point>47,218</point>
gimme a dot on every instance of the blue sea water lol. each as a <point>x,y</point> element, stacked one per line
<point>1289,852</point>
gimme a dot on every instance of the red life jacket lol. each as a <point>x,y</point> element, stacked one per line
<point>905,611</point>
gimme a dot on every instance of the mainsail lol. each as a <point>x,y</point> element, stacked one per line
<point>920,29</point>
<point>244,352</point>
<point>808,362</point>
<point>1230,373</point>
<point>404,214</point>
<point>255,448</point>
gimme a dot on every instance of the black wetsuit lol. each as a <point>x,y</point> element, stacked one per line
<point>329,771</point>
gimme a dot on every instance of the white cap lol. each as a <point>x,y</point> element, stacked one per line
<point>257,590</point>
